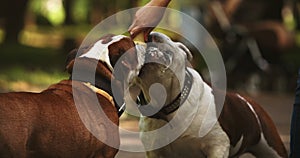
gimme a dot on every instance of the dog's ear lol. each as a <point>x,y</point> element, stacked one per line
<point>72,55</point>
<point>117,49</point>
<point>70,60</point>
<point>86,66</point>
<point>186,50</point>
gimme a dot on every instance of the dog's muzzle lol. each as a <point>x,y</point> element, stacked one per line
<point>153,54</point>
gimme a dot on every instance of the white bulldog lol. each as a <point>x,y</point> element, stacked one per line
<point>187,112</point>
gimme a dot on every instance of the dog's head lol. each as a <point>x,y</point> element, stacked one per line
<point>164,58</point>
<point>165,63</point>
<point>100,58</point>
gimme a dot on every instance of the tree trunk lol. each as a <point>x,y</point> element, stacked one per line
<point>14,11</point>
<point>69,42</point>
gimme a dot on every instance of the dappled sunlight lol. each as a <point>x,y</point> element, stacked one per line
<point>1,35</point>
<point>41,39</point>
<point>20,79</point>
<point>51,37</point>
<point>55,11</point>
<point>51,9</point>
<point>25,86</point>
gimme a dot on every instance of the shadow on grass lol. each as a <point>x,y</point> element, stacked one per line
<point>31,58</point>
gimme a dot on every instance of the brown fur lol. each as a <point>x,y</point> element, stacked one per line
<point>47,124</point>
<point>238,120</point>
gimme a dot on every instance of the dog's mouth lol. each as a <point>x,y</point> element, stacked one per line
<point>154,54</point>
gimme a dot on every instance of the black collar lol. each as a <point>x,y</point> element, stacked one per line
<point>179,100</point>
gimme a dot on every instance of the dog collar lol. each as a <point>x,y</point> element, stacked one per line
<point>106,95</point>
<point>181,98</point>
<point>100,91</point>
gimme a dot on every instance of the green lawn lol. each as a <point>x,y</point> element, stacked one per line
<point>25,68</point>
<point>22,79</point>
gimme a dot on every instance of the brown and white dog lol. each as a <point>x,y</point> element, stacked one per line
<point>243,126</point>
<point>47,124</point>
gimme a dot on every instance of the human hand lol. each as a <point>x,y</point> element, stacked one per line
<point>147,18</point>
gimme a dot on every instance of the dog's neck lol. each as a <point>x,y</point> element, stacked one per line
<point>181,96</point>
<point>175,87</point>
<point>105,85</point>
<point>98,81</point>
<point>176,96</point>
<point>102,80</point>
<point>173,90</point>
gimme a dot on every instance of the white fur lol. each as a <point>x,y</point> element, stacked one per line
<point>100,51</point>
<point>140,55</point>
<point>260,149</point>
<point>140,49</point>
<point>236,148</point>
<point>201,135</point>
<point>251,108</point>
<point>213,141</point>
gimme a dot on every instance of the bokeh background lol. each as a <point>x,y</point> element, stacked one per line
<point>259,41</point>
<point>36,35</point>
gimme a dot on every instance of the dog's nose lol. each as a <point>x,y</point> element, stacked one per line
<point>153,53</point>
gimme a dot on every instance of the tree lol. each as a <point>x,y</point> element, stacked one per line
<point>13,12</point>
<point>69,42</point>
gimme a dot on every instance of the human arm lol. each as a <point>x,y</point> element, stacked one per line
<point>147,18</point>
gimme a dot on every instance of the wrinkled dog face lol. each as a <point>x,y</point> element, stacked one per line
<point>161,49</point>
<point>165,63</point>
<point>163,58</point>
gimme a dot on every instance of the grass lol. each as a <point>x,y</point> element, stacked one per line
<point>35,67</point>
<point>22,79</point>
<point>30,57</point>
<point>25,68</point>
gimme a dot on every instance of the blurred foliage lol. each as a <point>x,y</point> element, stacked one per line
<point>22,79</point>
<point>47,59</point>
<point>80,11</point>
<point>1,35</point>
<point>25,68</point>
<point>52,10</point>
<point>40,53</point>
